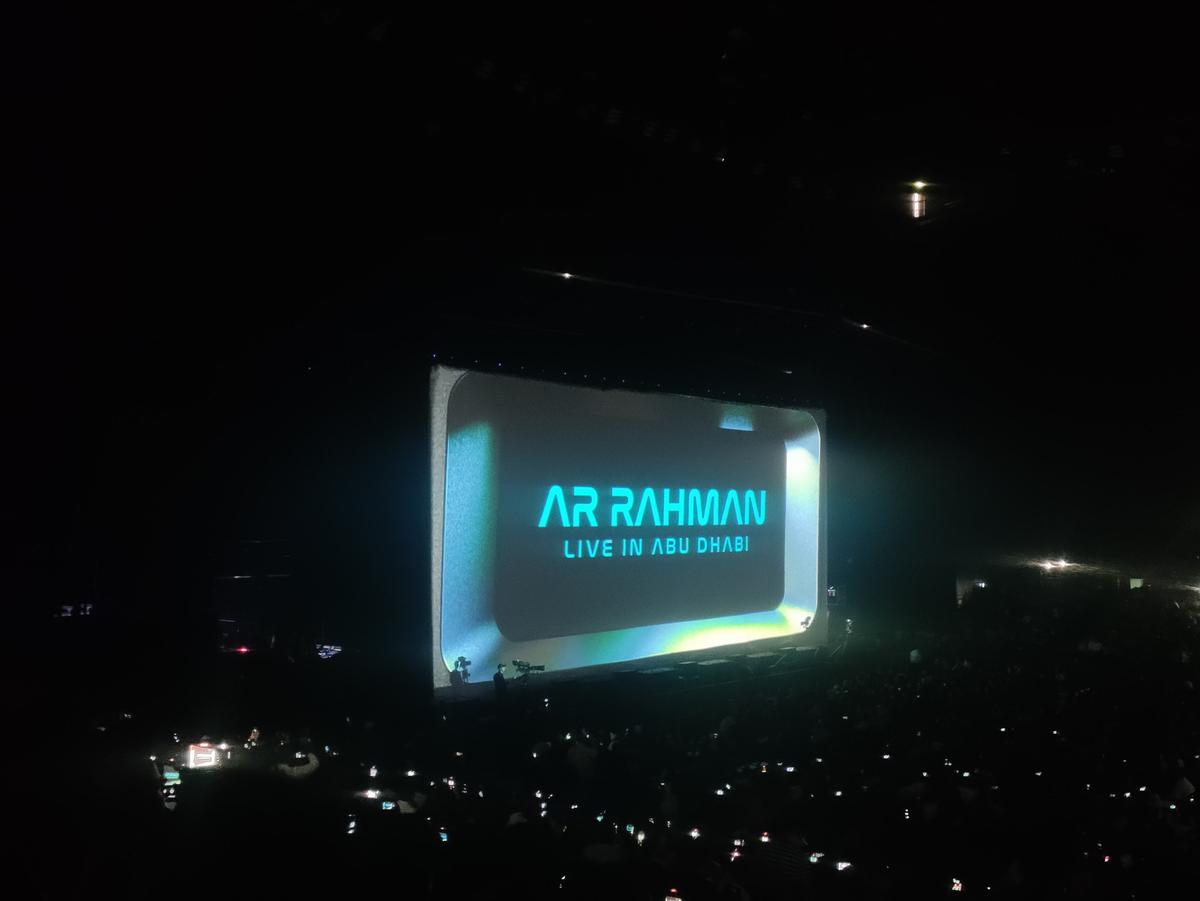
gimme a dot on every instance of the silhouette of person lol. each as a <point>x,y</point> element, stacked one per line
<point>500,682</point>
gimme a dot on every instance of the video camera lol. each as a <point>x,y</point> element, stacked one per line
<point>524,667</point>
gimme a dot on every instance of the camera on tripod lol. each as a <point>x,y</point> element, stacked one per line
<point>524,667</point>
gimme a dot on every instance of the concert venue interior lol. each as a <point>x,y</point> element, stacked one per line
<point>602,451</point>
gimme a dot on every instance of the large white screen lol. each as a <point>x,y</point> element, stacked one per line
<point>576,527</point>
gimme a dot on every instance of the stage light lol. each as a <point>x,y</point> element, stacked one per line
<point>566,275</point>
<point>919,185</point>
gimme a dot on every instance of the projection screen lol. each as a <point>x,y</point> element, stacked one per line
<point>578,527</point>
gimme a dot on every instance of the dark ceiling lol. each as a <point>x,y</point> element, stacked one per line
<point>231,221</point>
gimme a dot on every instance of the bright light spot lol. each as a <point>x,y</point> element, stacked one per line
<point>372,793</point>
<point>373,772</point>
<point>919,185</point>
<point>838,793</point>
<point>720,792</point>
<point>789,769</point>
<point>955,885</point>
<point>765,837</point>
<point>695,833</point>
<point>641,837</point>
<point>842,865</point>
<point>410,772</point>
<point>887,756</point>
<point>816,856</point>
<point>566,275</point>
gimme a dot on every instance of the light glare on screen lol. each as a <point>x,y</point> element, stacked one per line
<point>490,502</point>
